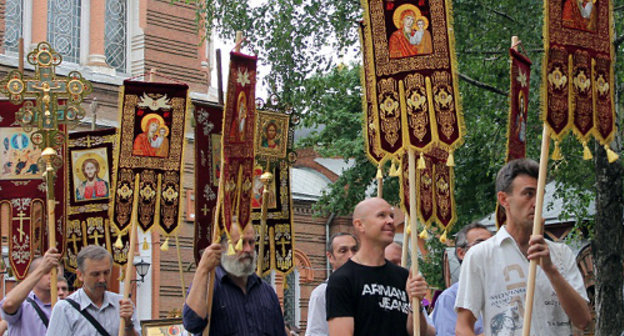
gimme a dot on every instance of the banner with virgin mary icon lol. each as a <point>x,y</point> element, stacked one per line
<point>577,76</point>
<point>411,76</point>
<point>151,143</point>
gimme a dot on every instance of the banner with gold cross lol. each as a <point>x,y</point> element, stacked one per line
<point>238,141</point>
<point>208,128</point>
<point>89,170</point>
<point>151,142</point>
<point>274,156</point>
<point>413,90</point>
<point>577,76</point>
<point>434,190</point>
<point>23,192</point>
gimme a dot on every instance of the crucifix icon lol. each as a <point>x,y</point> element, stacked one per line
<point>96,235</point>
<point>21,218</point>
<point>283,242</point>
<point>204,210</point>
<point>89,141</point>
<point>74,240</point>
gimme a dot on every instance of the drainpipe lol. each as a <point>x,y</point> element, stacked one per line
<point>330,219</point>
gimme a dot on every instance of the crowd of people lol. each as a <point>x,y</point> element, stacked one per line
<point>367,293</point>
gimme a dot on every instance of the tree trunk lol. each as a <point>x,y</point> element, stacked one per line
<point>607,246</point>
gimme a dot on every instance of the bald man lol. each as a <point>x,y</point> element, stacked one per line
<point>369,295</point>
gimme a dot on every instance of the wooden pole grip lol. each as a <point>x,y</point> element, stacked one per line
<point>414,234</point>
<point>537,229</point>
<point>129,264</point>
<point>51,244</point>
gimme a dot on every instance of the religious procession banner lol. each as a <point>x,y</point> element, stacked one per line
<point>208,128</point>
<point>520,78</point>
<point>151,143</point>
<point>577,72</point>
<point>274,155</point>
<point>434,190</point>
<point>411,77</point>
<point>238,141</point>
<point>89,170</point>
<point>23,192</point>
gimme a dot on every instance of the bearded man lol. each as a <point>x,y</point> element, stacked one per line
<point>242,303</point>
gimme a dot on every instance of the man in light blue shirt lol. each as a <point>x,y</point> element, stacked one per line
<point>444,315</point>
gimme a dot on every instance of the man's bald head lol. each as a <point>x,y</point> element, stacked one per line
<point>367,206</point>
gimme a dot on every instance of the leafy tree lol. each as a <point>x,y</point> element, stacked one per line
<point>300,39</point>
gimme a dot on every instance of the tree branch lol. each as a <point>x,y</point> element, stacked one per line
<point>618,8</point>
<point>481,85</point>
<point>505,15</point>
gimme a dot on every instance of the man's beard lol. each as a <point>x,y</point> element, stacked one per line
<point>239,266</point>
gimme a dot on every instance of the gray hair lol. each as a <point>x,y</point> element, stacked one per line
<point>330,242</point>
<point>461,240</point>
<point>92,252</point>
<point>512,169</point>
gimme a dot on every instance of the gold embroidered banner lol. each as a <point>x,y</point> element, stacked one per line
<point>238,141</point>
<point>151,146</point>
<point>90,172</point>
<point>434,190</point>
<point>577,76</point>
<point>411,82</point>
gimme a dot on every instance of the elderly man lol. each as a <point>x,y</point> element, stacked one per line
<point>340,248</point>
<point>444,315</point>
<point>27,307</point>
<point>369,295</point>
<point>393,252</point>
<point>92,310</point>
<point>242,303</point>
<point>494,273</point>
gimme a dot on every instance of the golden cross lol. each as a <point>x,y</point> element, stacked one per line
<point>96,235</point>
<point>89,141</point>
<point>74,240</point>
<point>283,242</point>
<point>204,210</point>
<point>21,218</point>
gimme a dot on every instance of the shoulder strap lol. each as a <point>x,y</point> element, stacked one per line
<point>40,312</point>
<point>89,317</point>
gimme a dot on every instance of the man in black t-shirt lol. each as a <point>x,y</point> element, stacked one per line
<point>369,295</point>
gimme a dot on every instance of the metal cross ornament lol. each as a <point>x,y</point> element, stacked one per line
<point>48,113</point>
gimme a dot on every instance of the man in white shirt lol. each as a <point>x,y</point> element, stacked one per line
<point>340,248</point>
<point>494,273</point>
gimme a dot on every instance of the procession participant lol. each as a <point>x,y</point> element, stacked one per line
<point>369,295</point>
<point>62,287</point>
<point>92,310</point>
<point>494,273</point>
<point>243,304</point>
<point>340,248</point>
<point>26,308</point>
<point>444,315</point>
<point>393,252</point>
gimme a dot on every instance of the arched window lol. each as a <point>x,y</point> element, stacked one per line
<point>64,28</point>
<point>14,22</point>
<point>115,34</point>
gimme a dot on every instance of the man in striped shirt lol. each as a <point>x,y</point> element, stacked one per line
<point>242,304</point>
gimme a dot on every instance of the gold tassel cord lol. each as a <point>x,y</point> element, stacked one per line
<point>556,155</point>
<point>421,162</point>
<point>379,173</point>
<point>450,162</point>
<point>587,155</point>
<point>443,238</point>
<point>165,246</point>
<point>611,155</point>
<point>230,250</point>
<point>145,244</point>
<point>239,245</point>
<point>118,243</point>
<point>394,171</point>
<point>424,234</point>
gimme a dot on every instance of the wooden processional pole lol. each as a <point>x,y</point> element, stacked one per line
<point>48,155</point>
<point>537,229</point>
<point>413,236</point>
<point>266,179</point>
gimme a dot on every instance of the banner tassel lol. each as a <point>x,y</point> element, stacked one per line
<point>165,246</point>
<point>421,162</point>
<point>450,162</point>
<point>611,155</point>
<point>394,171</point>
<point>379,173</point>
<point>118,243</point>
<point>556,155</point>
<point>230,250</point>
<point>443,238</point>
<point>424,234</point>
<point>587,155</point>
<point>239,245</point>
<point>145,244</point>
